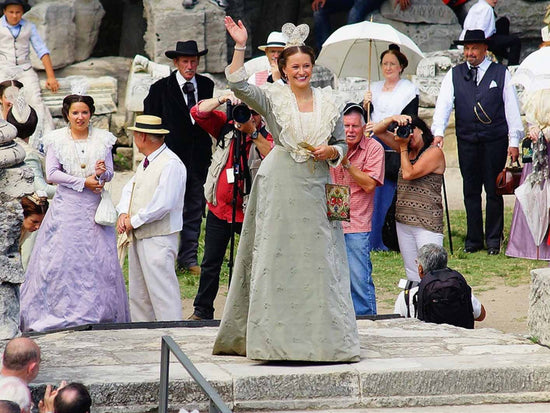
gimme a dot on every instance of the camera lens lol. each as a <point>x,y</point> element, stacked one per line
<point>404,131</point>
<point>241,113</point>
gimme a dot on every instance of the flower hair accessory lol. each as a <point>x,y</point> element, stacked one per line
<point>296,35</point>
<point>79,86</point>
<point>20,109</point>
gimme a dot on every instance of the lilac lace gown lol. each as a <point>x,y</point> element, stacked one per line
<point>521,243</point>
<point>73,277</point>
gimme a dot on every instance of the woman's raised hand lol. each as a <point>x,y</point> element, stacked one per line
<point>237,31</point>
<point>93,184</point>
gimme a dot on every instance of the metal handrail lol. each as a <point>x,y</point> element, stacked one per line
<point>169,345</point>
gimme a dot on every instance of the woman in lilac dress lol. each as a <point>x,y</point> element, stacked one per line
<point>521,243</point>
<point>74,277</point>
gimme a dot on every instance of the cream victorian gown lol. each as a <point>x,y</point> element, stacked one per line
<point>290,294</point>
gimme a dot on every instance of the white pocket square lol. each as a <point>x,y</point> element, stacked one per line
<point>493,84</point>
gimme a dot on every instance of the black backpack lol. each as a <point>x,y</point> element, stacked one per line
<point>444,296</point>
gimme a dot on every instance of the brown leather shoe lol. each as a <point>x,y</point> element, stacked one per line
<point>194,317</point>
<point>195,270</point>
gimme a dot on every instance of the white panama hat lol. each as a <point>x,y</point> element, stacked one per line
<point>275,39</point>
<point>544,32</point>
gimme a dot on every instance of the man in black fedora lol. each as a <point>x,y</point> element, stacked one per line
<point>488,128</point>
<point>171,99</point>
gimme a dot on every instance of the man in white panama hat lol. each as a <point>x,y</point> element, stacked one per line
<point>151,207</point>
<point>275,44</point>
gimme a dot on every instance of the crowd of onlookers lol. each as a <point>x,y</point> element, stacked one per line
<point>284,153</point>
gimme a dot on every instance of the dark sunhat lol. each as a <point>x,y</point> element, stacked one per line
<point>355,107</point>
<point>149,124</point>
<point>23,3</point>
<point>472,36</point>
<point>188,48</point>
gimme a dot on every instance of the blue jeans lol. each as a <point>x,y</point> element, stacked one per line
<point>360,269</point>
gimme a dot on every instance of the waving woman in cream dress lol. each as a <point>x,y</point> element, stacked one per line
<point>290,294</point>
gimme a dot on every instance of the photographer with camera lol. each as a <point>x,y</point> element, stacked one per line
<point>419,208</point>
<point>241,145</point>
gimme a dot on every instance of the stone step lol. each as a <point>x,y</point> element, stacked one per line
<point>404,363</point>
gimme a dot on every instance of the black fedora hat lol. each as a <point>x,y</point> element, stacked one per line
<point>473,36</point>
<point>23,3</point>
<point>188,48</point>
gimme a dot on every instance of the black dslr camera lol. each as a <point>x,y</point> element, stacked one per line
<point>402,131</point>
<point>241,113</point>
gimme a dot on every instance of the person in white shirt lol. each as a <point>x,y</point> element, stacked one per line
<point>503,44</point>
<point>431,257</point>
<point>150,209</point>
<point>488,129</point>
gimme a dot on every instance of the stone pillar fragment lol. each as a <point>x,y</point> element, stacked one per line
<point>55,24</point>
<point>168,22</point>
<point>538,315</point>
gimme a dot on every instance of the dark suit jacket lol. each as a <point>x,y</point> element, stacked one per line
<point>191,143</point>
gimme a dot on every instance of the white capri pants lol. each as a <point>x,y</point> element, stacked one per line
<point>410,240</point>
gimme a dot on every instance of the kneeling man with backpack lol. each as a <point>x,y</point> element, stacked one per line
<point>442,296</point>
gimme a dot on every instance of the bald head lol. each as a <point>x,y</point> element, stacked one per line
<point>21,359</point>
<point>7,406</point>
<point>73,398</point>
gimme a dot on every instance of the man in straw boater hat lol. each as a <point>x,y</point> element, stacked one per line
<point>171,98</point>
<point>274,46</point>
<point>488,129</point>
<point>151,207</point>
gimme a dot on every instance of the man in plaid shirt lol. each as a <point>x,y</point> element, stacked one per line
<point>363,170</point>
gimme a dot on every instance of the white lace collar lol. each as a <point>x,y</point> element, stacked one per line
<point>65,149</point>
<point>323,118</point>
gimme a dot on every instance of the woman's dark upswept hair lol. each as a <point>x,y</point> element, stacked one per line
<point>394,50</point>
<point>292,50</point>
<point>7,83</point>
<point>31,207</point>
<point>70,99</point>
<point>427,135</point>
<point>27,128</point>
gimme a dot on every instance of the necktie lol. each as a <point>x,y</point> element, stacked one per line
<point>145,163</point>
<point>189,90</point>
<point>474,74</point>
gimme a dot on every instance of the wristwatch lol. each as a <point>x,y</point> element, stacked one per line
<point>254,135</point>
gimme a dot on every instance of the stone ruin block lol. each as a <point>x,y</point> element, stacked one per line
<point>525,16</point>
<point>87,16</point>
<point>538,315</point>
<point>420,11</point>
<point>143,74</point>
<point>15,182</point>
<point>430,73</point>
<point>102,89</point>
<point>55,24</point>
<point>168,22</point>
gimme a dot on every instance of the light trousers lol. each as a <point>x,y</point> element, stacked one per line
<point>410,240</point>
<point>154,289</point>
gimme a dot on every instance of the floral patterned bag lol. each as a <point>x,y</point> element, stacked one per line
<point>338,202</point>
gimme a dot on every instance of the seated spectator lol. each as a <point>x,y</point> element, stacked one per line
<point>16,390</point>
<point>431,258</point>
<point>7,406</point>
<point>35,207</point>
<point>72,398</point>
<point>21,359</point>
<point>481,16</point>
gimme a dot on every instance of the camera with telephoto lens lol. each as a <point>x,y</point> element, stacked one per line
<point>241,113</point>
<point>402,131</point>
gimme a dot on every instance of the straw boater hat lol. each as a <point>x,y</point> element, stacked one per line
<point>275,39</point>
<point>26,6</point>
<point>473,36</point>
<point>149,124</point>
<point>188,48</point>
